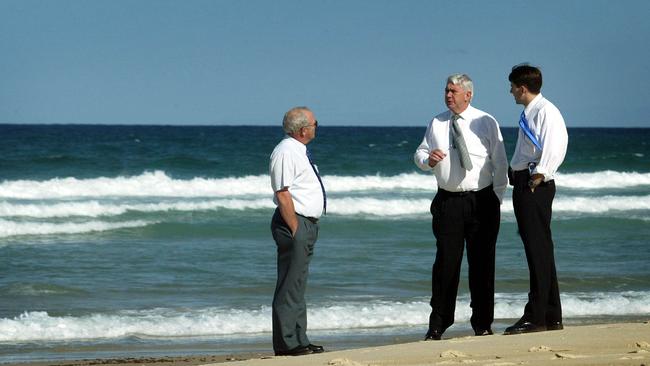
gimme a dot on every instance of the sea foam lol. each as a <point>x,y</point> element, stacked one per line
<point>344,316</point>
<point>344,206</point>
<point>159,184</point>
<point>10,228</point>
<point>74,206</point>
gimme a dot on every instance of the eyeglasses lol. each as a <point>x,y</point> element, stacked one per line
<point>314,125</point>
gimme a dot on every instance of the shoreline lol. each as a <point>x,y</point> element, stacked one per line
<point>193,360</point>
<point>597,344</point>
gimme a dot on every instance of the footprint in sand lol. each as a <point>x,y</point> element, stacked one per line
<point>642,347</point>
<point>344,362</point>
<point>567,356</point>
<point>632,358</point>
<point>540,349</point>
<point>452,354</point>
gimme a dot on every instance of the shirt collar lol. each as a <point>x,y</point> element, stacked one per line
<point>533,103</point>
<point>296,143</point>
<point>464,114</point>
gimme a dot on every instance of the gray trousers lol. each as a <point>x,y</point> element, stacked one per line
<point>289,307</point>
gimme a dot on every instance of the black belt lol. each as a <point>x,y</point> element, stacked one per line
<point>463,193</point>
<point>312,219</point>
<point>529,171</point>
<point>525,172</point>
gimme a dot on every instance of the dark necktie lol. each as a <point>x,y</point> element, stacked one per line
<point>459,143</point>
<point>322,187</point>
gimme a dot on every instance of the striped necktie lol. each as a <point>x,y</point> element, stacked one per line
<point>523,123</point>
<point>322,187</point>
<point>459,143</point>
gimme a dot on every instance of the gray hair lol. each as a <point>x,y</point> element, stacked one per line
<point>463,80</point>
<point>295,119</point>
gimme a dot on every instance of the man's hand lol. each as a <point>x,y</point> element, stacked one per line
<point>435,156</point>
<point>287,211</point>
<point>534,181</point>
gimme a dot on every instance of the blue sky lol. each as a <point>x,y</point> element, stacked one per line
<point>245,62</point>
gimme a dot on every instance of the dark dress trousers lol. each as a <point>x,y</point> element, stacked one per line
<point>533,212</point>
<point>289,307</point>
<point>459,218</point>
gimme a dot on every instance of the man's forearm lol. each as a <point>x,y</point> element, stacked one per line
<point>287,210</point>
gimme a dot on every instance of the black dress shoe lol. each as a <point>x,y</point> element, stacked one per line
<point>433,335</point>
<point>554,326</point>
<point>316,349</point>
<point>524,327</point>
<point>298,351</point>
<point>483,332</point>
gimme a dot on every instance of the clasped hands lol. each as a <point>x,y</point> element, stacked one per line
<point>535,180</point>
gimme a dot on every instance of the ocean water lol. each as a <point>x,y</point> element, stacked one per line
<point>155,240</point>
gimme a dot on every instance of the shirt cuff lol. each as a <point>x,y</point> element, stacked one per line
<point>499,196</point>
<point>424,164</point>
<point>543,171</point>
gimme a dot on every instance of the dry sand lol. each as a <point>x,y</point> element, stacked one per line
<point>609,344</point>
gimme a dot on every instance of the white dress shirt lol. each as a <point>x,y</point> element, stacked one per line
<point>547,125</point>
<point>484,144</point>
<point>289,168</point>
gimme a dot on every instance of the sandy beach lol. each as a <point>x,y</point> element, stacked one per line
<point>604,344</point>
<point>607,344</point>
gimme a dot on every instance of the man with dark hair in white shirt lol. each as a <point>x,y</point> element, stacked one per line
<point>300,198</point>
<point>464,149</point>
<point>541,147</point>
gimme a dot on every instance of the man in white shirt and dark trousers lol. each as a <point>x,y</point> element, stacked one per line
<point>464,149</point>
<point>541,147</point>
<point>300,198</point>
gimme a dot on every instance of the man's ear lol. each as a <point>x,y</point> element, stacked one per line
<point>524,89</point>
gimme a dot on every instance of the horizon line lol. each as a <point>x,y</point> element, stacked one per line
<point>259,125</point>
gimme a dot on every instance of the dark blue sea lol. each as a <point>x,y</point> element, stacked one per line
<point>155,240</point>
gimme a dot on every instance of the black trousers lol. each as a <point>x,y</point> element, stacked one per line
<point>289,307</point>
<point>459,219</point>
<point>533,211</point>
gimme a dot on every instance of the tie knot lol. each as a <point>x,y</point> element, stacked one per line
<point>455,117</point>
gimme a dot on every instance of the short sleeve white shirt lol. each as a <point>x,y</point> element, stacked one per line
<point>289,168</point>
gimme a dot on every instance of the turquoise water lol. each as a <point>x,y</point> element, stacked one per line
<point>119,240</point>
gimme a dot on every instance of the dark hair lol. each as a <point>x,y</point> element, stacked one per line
<point>527,75</point>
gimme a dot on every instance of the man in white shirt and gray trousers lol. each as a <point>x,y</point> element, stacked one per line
<point>541,147</point>
<point>464,149</point>
<point>300,198</point>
